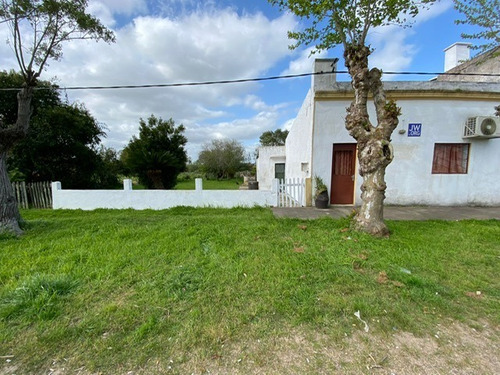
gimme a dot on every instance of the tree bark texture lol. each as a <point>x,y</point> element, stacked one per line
<point>375,151</point>
<point>10,216</point>
<point>9,211</point>
<point>155,178</point>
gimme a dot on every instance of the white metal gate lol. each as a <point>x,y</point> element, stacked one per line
<point>291,192</point>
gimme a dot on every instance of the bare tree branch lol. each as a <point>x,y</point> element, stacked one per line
<point>52,23</point>
<point>18,48</point>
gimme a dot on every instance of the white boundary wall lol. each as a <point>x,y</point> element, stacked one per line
<point>160,199</point>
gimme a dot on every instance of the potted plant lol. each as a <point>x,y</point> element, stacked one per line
<point>321,198</point>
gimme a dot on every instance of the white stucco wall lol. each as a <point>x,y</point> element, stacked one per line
<point>268,157</point>
<point>158,199</point>
<point>299,141</point>
<point>409,178</point>
<point>329,129</point>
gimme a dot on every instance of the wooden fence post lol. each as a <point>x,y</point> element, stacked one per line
<point>35,194</point>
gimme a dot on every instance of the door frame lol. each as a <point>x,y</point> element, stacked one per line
<point>284,170</point>
<point>344,147</point>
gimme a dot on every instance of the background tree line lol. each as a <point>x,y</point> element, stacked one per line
<point>63,142</point>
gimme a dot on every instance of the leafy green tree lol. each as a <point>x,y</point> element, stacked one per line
<point>157,156</point>
<point>61,145</point>
<point>222,158</point>
<point>109,169</point>
<point>193,167</point>
<point>46,96</point>
<point>273,138</point>
<point>347,22</point>
<point>486,15</point>
<point>38,29</point>
<point>62,141</point>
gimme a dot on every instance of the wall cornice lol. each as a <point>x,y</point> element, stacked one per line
<point>418,90</point>
<point>415,95</point>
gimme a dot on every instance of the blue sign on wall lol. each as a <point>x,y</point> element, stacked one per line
<point>414,130</point>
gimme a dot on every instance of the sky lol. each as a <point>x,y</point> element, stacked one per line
<point>173,41</point>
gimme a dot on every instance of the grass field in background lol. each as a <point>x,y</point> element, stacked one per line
<point>110,290</point>
<point>231,184</point>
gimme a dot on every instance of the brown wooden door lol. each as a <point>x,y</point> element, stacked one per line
<point>343,169</point>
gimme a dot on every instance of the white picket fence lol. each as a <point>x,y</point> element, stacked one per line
<point>291,192</point>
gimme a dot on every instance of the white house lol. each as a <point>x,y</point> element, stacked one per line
<point>270,164</point>
<point>447,144</point>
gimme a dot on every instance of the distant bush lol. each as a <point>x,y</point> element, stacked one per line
<point>222,158</point>
<point>188,176</point>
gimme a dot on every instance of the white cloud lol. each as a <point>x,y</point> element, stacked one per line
<point>215,45</point>
<point>255,103</point>
<point>392,50</point>
<point>200,46</point>
<point>288,124</point>
<point>102,12</point>
<point>245,130</point>
<point>394,53</point>
<point>435,10</point>
<point>105,10</point>
<point>127,7</point>
<point>7,58</point>
<point>304,62</point>
<point>162,42</point>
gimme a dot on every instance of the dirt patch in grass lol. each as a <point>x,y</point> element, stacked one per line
<point>454,348</point>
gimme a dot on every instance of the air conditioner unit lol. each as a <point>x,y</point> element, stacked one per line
<point>482,127</point>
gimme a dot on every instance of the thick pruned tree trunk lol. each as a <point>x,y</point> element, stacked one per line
<point>37,31</point>
<point>9,211</point>
<point>375,151</point>
<point>155,180</point>
<point>9,136</point>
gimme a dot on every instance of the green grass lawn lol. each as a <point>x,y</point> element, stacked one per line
<point>231,184</point>
<point>114,290</point>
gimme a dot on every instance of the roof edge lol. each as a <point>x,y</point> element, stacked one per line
<point>423,89</point>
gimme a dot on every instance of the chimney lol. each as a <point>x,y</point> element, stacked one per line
<point>322,82</point>
<point>455,55</point>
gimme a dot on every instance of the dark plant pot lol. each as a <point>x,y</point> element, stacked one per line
<point>253,185</point>
<point>322,200</point>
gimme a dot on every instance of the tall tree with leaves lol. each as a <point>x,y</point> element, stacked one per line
<point>109,169</point>
<point>273,138</point>
<point>347,23</point>
<point>222,158</point>
<point>157,156</point>
<point>61,145</point>
<point>62,140</point>
<point>38,30</point>
<point>484,14</point>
